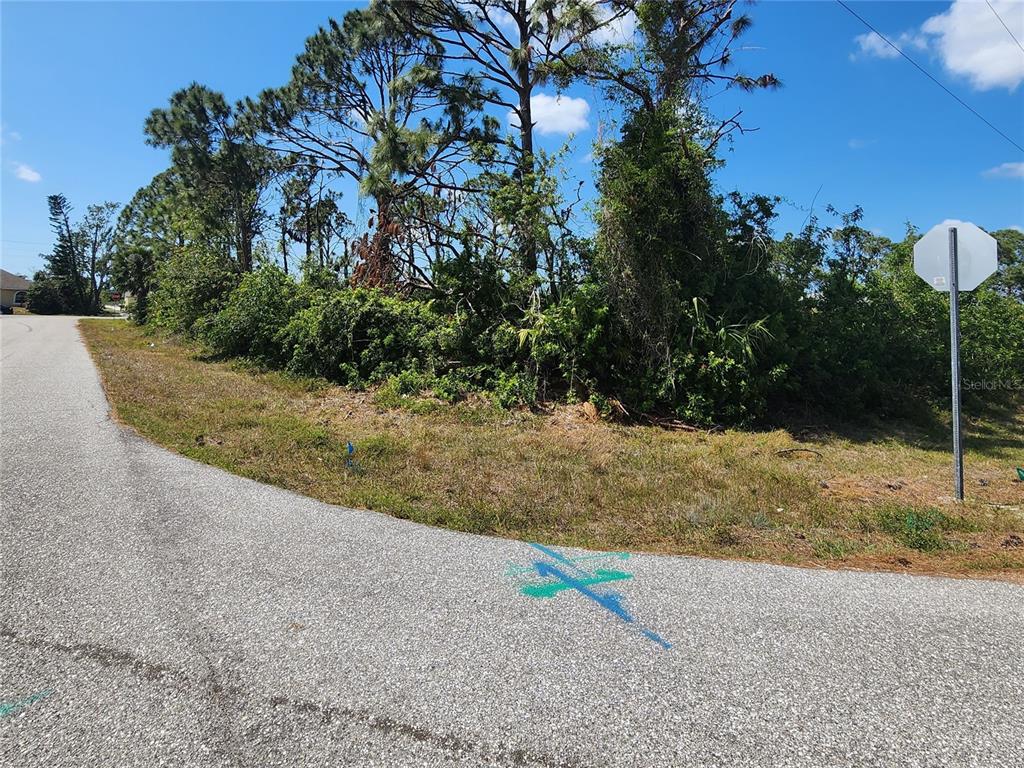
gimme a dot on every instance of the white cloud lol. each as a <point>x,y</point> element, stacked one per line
<point>27,173</point>
<point>8,135</point>
<point>556,114</point>
<point>617,32</point>
<point>1006,171</point>
<point>973,43</point>
<point>1017,227</point>
<point>969,40</point>
<point>871,44</point>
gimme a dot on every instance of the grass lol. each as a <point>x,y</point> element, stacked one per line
<point>870,498</point>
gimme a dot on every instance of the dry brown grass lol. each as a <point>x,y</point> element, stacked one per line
<point>861,499</point>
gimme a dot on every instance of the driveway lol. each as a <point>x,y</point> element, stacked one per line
<point>156,611</point>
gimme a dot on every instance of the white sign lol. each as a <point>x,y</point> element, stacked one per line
<point>976,256</point>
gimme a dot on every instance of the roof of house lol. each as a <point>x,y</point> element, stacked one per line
<point>13,282</point>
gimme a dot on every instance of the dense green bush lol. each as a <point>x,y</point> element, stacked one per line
<point>695,306</point>
<point>689,307</point>
<point>834,319</point>
<point>46,297</point>
<point>251,321</point>
<point>658,234</point>
<point>360,336</point>
<point>874,338</point>
<point>992,350</point>
<point>567,345</point>
<point>192,286</point>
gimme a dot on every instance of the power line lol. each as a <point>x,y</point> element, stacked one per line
<point>929,75</point>
<point>1008,30</point>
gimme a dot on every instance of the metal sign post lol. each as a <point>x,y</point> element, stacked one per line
<point>954,348</point>
<point>955,256</point>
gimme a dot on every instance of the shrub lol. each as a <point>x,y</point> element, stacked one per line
<point>568,341</point>
<point>255,314</point>
<point>46,297</point>
<point>515,388</point>
<point>396,389</point>
<point>992,349</point>
<point>450,387</point>
<point>192,286</point>
<point>362,336</point>
<point>695,302</point>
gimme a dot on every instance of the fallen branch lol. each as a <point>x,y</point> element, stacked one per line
<point>669,423</point>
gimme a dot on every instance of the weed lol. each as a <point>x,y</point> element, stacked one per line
<point>829,548</point>
<point>915,528</point>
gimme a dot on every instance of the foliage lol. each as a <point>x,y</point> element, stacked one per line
<point>256,311</point>
<point>361,336</point>
<point>568,343</point>
<point>148,229</point>
<point>193,284</point>
<point>692,295</point>
<point>656,232</point>
<point>369,100</point>
<point>512,48</point>
<point>221,173</point>
<point>875,337</point>
<point>1010,280</point>
<point>47,296</point>
<point>133,270</point>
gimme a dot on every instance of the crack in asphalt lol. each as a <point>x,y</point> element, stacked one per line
<point>105,655</point>
<point>327,714</point>
<point>324,714</point>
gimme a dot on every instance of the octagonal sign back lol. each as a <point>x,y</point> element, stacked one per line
<point>976,256</point>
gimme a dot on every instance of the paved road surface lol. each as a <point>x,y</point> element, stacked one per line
<point>166,613</point>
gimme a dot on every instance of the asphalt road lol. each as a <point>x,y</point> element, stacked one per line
<point>155,611</point>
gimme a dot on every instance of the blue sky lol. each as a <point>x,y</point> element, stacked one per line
<point>852,118</point>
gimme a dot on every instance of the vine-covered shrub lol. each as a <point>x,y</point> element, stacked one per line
<point>192,286</point>
<point>257,310</point>
<point>360,336</point>
<point>46,296</point>
<point>566,346</point>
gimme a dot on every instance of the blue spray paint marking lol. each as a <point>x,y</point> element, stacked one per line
<point>16,706</point>
<point>567,573</point>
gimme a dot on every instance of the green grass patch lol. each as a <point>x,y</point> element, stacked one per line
<point>920,529</point>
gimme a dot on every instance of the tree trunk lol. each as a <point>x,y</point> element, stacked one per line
<point>309,233</point>
<point>528,248</point>
<point>246,252</point>
<point>244,243</point>
<point>284,243</point>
